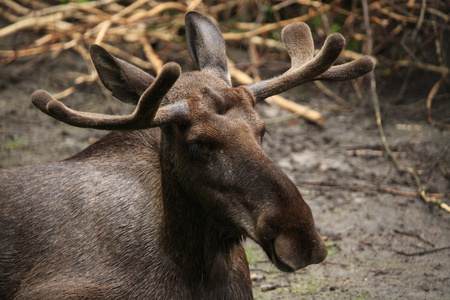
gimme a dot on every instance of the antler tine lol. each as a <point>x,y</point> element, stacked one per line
<point>305,67</point>
<point>299,44</point>
<point>350,70</point>
<point>146,115</point>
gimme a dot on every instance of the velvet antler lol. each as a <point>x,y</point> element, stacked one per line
<point>146,115</point>
<point>305,67</point>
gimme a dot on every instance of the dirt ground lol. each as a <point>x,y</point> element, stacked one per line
<point>381,245</point>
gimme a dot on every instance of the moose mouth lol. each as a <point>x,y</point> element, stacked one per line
<point>269,249</point>
<point>288,257</point>
<point>281,265</point>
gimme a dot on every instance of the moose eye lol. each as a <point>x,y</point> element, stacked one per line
<point>199,150</point>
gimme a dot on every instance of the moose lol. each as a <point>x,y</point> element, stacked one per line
<point>159,207</point>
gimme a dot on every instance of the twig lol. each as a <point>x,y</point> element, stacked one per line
<point>438,13</point>
<point>371,153</point>
<point>35,22</point>
<point>104,26</point>
<point>395,16</point>
<point>414,235</point>
<point>16,7</point>
<point>151,55</point>
<point>11,54</point>
<point>387,41</point>
<point>373,87</point>
<point>282,118</point>
<point>193,5</point>
<point>35,4</point>
<point>357,89</point>
<point>332,95</point>
<point>84,53</point>
<point>424,195</point>
<point>253,55</point>
<point>428,67</point>
<point>157,10</point>
<point>439,50</point>
<point>48,10</point>
<point>28,64</point>
<point>300,110</point>
<point>64,93</point>
<point>430,98</point>
<point>422,252</point>
<point>321,185</point>
<point>8,16</point>
<point>419,23</point>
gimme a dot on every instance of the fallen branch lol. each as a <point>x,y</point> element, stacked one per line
<point>423,66</point>
<point>151,55</point>
<point>300,110</point>
<point>34,22</point>
<point>320,185</point>
<point>424,195</point>
<point>324,89</point>
<point>422,252</point>
<point>16,7</point>
<point>157,10</point>
<point>414,235</point>
<point>430,98</point>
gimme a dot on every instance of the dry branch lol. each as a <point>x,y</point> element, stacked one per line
<point>151,55</point>
<point>33,22</point>
<point>304,112</point>
<point>420,253</point>
<point>331,94</point>
<point>326,186</point>
<point>157,10</point>
<point>16,7</point>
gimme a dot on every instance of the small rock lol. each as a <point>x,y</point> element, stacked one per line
<point>268,287</point>
<point>257,277</point>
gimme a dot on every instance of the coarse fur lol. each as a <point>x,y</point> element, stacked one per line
<point>158,208</point>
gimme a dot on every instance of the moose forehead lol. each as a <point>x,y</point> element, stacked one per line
<point>216,106</point>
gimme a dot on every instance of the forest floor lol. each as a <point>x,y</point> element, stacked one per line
<point>384,241</point>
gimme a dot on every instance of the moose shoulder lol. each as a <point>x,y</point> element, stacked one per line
<point>159,207</point>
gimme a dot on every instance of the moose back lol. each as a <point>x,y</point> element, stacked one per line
<point>159,207</point>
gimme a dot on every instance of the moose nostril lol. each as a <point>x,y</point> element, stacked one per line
<point>290,253</point>
<point>320,252</point>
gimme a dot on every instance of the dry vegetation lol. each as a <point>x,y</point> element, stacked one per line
<point>409,39</point>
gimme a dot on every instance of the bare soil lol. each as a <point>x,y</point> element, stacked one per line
<point>384,242</point>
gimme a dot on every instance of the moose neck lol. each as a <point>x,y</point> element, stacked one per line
<point>201,243</point>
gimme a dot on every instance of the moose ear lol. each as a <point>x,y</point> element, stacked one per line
<point>125,81</point>
<point>206,45</point>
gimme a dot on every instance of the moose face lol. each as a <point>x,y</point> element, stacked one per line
<point>218,159</point>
